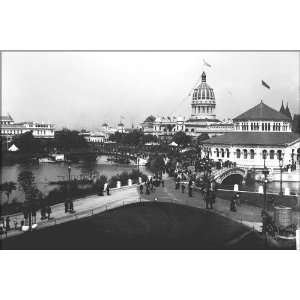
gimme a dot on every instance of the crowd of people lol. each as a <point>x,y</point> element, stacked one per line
<point>150,184</point>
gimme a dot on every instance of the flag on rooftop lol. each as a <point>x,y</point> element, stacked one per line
<point>265,85</point>
<point>205,63</point>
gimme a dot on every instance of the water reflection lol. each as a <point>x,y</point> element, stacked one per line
<point>46,172</point>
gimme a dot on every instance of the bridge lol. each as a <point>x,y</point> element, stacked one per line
<point>221,174</point>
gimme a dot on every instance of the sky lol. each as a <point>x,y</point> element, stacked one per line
<point>84,89</point>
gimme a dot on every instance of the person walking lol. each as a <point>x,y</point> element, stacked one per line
<point>147,189</point>
<point>43,212</point>
<point>141,188</point>
<point>162,183</point>
<point>233,203</point>
<point>66,206</point>
<point>16,224</point>
<point>191,188</point>
<point>71,206</point>
<point>182,187</point>
<point>107,190</point>
<point>48,210</point>
<point>7,223</point>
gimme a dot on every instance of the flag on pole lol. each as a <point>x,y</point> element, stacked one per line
<point>265,84</point>
<point>206,64</point>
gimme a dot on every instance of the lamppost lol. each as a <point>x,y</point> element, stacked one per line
<point>265,172</point>
<point>68,206</point>
<point>280,165</point>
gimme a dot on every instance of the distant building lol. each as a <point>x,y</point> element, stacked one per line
<point>102,135</point>
<point>202,120</point>
<point>261,132</point>
<point>9,128</point>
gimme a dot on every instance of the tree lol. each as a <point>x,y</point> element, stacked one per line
<point>27,143</point>
<point>7,188</point>
<point>67,140</point>
<point>157,165</point>
<point>180,138</point>
<point>27,182</point>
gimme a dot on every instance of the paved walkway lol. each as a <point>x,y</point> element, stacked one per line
<point>83,207</point>
<point>246,214</point>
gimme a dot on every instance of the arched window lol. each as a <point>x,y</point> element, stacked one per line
<point>279,154</point>
<point>269,126</point>
<point>217,150</point>
<point>192,130</point>
<point>186,130</point>
<point>245,153</point>
<point>222,152</point>
<point>238,153</point>
<point>227,151</point>
<point>272,153</point>
<point>251,154</point>
<point>264,154</point>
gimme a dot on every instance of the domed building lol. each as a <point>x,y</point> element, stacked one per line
<point>202,119</point>
<point>203,102</point>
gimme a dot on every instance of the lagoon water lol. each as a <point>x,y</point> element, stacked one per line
<point>46,172</point>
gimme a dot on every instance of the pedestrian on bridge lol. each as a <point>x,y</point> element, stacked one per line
<point>107,190</point>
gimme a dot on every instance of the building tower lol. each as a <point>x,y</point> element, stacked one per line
<point>282,109</point>
<point>203,102</point>
<point>287,111</point>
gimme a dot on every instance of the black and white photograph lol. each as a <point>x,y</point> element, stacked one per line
<point>150,150</point>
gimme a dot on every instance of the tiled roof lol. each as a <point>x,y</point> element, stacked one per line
<point>255,138</point>
<point>261,112</point>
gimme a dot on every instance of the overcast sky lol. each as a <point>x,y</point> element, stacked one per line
<point>82,90</point>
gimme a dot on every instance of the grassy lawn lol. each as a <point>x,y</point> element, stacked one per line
<point>137,226</point>
<point>258,199</point>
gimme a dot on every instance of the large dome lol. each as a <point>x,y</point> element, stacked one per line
<point>203,91</point>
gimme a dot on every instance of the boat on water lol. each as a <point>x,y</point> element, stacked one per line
<point>52,158</point>
<point>58,157</point>
<point>46,160</point>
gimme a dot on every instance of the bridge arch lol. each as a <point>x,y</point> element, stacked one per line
<point>221,176</point>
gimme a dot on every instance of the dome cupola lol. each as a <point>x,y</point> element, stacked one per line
<point>203,91</point>
<point>203,102</point>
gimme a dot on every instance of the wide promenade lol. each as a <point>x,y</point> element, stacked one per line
<point>248,215</point>
<point>84,207</point>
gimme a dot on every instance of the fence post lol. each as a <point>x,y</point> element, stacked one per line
<point>287,191</point>
<point>118,184</point>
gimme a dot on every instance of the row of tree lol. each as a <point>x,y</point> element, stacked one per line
<point>137,137</point>
<point>64,140</point>
<point>133,138</point>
